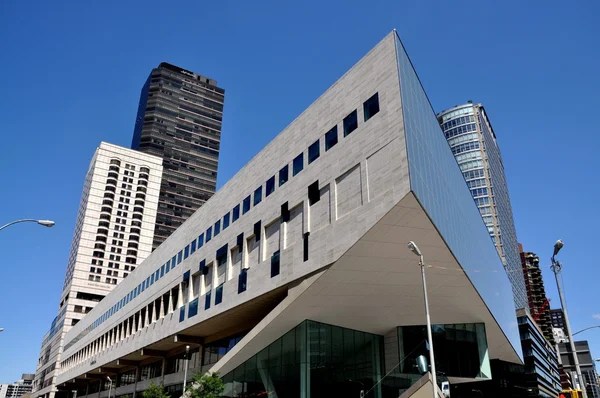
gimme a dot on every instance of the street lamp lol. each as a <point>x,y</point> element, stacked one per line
<point>556,268</point>
<point>583,330</point>
<point>187,354</point>
<point>415,249</point>
<point>45,223</point>
<point>109,385</point>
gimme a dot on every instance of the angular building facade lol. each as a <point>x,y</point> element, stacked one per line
<point>471,137</point>
<point>113,235</point>
<point>295,279</point>
<point>179,119</point>
<point>586,363</point>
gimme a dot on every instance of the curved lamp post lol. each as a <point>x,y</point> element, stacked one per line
<point>556,268</point>
<point>583,330</point>
<point>45,223</point>
<point>415,249</point>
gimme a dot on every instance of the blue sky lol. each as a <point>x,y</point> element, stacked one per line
<point>72,73</point>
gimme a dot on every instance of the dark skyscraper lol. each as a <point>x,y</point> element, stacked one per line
<point>179,119</point>
<point>539,306</point>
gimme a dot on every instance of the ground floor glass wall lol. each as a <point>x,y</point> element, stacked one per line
<point>313,360</point>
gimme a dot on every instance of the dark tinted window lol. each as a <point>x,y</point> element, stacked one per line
<point>257,195</point>
<point>236,213</point>
<point>350,123</point>
<point>331,138</point>
<point>283,175</point>
<point>246,205</point>
<point>313,152</point>
<point>298,164</point>
<point>371,106</point>
<point>270,188</point>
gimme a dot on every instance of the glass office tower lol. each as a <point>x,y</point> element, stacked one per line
<point>179,119</point>
<point>473,142</point>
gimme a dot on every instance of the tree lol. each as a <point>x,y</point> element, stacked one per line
<point>205,386</point>
<point>155,391</point>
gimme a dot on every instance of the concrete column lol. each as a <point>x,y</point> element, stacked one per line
<point>163,370</point>
<point>170,301</point>
<point>126,334</point>
<point>162,307</point>
<point>156,311</point>
<point>137,378</point>
<point>147,320</point>
<point>180,296</point>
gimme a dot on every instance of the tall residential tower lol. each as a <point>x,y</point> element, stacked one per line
<point>179,119</point>
<point>473,142</point>
<point>113,235</point>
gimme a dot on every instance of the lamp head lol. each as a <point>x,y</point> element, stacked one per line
<point>187,349</point>
<point>557,246</point>
<point>109,379</point>
<point>414,248</point>
<point>46,223</point>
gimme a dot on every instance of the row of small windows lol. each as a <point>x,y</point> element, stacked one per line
<point>479,192</point>
<point>458,121</point>
<point>467,146</point>
<point>474,164</point>
<point>469,175</point>
<point>463,138</point>
<point>350,123</point>
<point>467,128</point>
<point>458,112</point>
<point>479,182</point>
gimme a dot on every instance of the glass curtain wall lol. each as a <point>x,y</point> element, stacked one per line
<point>313,360</point>
<point>460,349</point>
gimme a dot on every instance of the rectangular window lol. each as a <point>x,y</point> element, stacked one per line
<point>186,276</point>
<point>242,281</point>
<point>371,106</point>
<point>186,252</point>
<point>314,194</point>
<point>203,267</point>
<point>313,152</point>
<point>193,308</point>
<point>236,213</point>
<point>182,314</point>
<point>283,175</point>
<point>219,294</point>
<point>193,246</point>
<point>275,264</point>
<point>221,257</point>
<point>162,271</point>
<point>240,241</point>
<point>151,279</point>
<point>225,221</point>
<point>208,234</point>
<point>257,195</point>
<point>285,212</point>
<point>246,205</point>
<point>257,231</point>
<point>179,256</point>
<point>350,123</point>
<point>207,300</point>
<point>331,138</point>
<point>298,164</point>
<point>270,186</point>
<point>217,227</point>
<point>200,241</point>
<point>305,244</point>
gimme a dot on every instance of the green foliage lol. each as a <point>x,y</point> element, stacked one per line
<point>155,391</point>
<point>205,386</point>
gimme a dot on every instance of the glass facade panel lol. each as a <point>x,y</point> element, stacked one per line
<point>313,359</point>
<point>465,233</point>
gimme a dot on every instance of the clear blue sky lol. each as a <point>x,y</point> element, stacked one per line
<point>72,73</point>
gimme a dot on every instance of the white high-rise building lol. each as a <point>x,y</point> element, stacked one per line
<point>18,388</point>
<point>113,235</point>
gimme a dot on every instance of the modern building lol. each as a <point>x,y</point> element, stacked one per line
<point>18,388</point>
<point>558,319</point>
<point>539,355</point>
<point>179,119</point>
<point>539,304</point>
<point>472,139</point>
<point>586,363</point>
<point>113,235</point>
<point>295,279</point>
